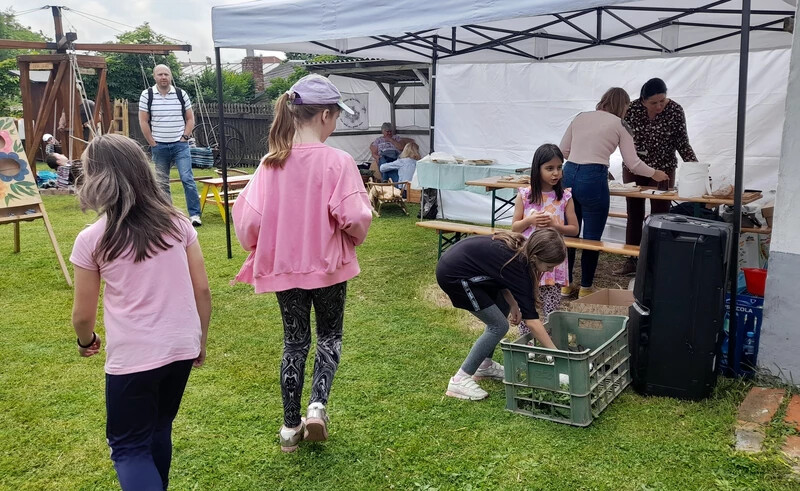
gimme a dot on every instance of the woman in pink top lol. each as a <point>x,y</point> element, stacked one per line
<point>587,144</point>
<point>301,217</point>
<point>156,305</point>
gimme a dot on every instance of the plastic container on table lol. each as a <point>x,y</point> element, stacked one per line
<point>756,280</point>
<point>565,386</point>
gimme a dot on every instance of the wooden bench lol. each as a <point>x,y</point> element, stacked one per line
<point>459,230</point>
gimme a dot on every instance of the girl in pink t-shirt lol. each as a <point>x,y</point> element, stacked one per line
<point>545,203</point>
<point>156,305</point>
<point>301,217</point>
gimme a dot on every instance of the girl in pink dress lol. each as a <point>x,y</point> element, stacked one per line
<point>545,203</point>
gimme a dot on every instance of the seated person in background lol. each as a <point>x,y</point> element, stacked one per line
<point>51,145</point>
<point>68,170</point>
<point>403,168</point>
<point>388,146</point>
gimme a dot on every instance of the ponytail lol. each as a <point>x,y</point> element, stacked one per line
<point>287,117</point>
<point>281,134</point>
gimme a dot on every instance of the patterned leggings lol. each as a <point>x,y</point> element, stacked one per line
<point>550,296</point>
<point>295,305</point>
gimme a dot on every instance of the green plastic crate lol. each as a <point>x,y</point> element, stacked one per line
<point>568,385</point>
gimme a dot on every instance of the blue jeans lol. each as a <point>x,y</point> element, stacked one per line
<point>385,157</point>
<point>140,409</point>
<point>589,183</point>
<point>164,154</point>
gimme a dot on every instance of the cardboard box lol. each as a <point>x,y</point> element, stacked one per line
<point>749,316</point>
<point>767,212</point>
<point>604,302</point>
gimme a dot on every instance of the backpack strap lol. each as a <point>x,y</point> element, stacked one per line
<point>150,107</point>
<point>179,93</point>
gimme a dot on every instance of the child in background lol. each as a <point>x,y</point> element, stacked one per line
<point>403,168</point>
<point>493,277</point>
<point>545,203</point>
<point>301,217</point>
<point>156,304</point>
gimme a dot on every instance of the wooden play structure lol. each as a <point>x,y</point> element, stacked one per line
<point>64,93</point>
<point>19,197</point>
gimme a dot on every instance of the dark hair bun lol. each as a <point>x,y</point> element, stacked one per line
<point>652,87</point>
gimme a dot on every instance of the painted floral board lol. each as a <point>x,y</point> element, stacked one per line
<point>17,184</point>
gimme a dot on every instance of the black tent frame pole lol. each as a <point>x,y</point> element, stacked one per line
<point>432,83</point>
<point>222,153</point>
<point>733,272</point>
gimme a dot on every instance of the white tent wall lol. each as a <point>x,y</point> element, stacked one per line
<point>780,333</point>
<point>380,112</point>
<point>506,110</point>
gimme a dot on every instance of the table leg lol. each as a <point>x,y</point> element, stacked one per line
<point>203,196</point>
<point>219,201</point>
<point>494,197</point>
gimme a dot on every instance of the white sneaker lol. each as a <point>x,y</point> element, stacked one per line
<point>466,388</point>
<point>195,219</point>
<point>494,371</point>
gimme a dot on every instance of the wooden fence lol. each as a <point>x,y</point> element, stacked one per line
<point>252,121</point>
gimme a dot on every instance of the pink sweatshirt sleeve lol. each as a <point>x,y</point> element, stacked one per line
<point>246,220</point>
<point>629,156</point>
<point>349,204</point>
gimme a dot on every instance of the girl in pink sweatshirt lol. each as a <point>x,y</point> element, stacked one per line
<point>301,218</point>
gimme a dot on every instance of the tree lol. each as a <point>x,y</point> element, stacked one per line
<point>10,96</point>
<point>236,87</point>
<point>278,86</point>
<point>129,74</point>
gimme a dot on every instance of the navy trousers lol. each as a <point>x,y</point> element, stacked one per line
<point>140,409</point>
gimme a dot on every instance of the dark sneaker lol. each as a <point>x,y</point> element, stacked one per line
<point>628,268</point>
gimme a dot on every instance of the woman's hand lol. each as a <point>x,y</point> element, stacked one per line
<point>515,316</point>
<point>92,349</point>
<point>659,176</point>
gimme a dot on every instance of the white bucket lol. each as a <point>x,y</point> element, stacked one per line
<point>693,180</point>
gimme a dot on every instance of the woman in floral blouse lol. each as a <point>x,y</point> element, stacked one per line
<point>658,126</point>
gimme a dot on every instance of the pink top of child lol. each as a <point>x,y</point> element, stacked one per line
<point>302,222</point>
<point>149,309</point>
<point>552,206</point>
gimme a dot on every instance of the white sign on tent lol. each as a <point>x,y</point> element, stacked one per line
<point>359,120</point>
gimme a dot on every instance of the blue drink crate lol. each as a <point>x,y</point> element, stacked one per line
<point>749,316</point>
<point>564,386</point>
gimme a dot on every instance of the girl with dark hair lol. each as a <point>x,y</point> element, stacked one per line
<point>658,125</point>
<point>588,143</point>
<point>301,217</point>
<point>545,203</point>
<point>492,277</point>
<point>156,301</point>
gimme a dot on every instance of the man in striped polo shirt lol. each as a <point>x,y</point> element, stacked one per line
<point>167,120</point>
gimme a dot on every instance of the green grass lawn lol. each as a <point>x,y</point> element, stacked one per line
<point>392,426</point>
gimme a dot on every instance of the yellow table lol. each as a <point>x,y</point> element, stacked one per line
<point>212,188</point>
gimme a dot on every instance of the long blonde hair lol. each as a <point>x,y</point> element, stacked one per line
<point>545,246</point>
<point>410,151</point>
<point>288,117</point>
<point>118,182</point>
<point>614,101</point>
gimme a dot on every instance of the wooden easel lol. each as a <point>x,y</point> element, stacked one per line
<point>19,196</point>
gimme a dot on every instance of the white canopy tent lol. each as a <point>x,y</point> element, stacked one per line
<point>472,31</point>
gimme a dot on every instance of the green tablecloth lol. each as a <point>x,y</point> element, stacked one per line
<point>451,177</point>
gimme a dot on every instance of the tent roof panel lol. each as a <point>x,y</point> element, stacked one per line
<point>525,30</point>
